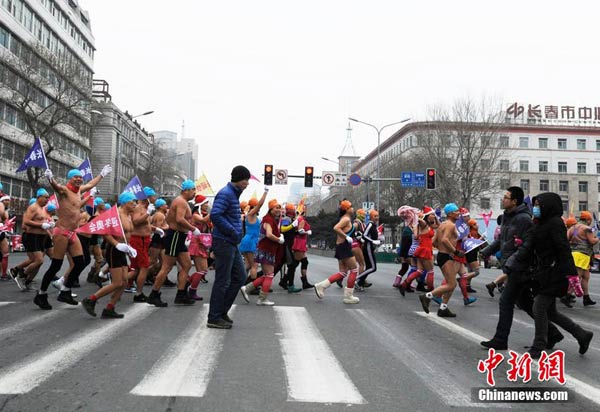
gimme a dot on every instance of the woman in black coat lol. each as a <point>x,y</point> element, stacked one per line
<point>547,242</point>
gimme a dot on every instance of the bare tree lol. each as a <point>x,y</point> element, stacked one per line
<point>49,91</point>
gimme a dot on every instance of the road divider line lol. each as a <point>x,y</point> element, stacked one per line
<point>24,376</point>
<point>429,372</point>
<point>6,303</point>
<point>586,390</point>
<point>21,325</point>
<point>187,365</point>
<point>313,372</point>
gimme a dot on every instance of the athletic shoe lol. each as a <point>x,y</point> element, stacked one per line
<point>471,290</point>
<point>132,289</point>
<point>359,288</point>
<point>66,297</point>
<point>154,299</point>
<point>425,302</point>
<point>402,289</point>
<point>584,342</point>
<point>42,301</point>
<point>111,314</point>
<point>367,284</point>
<point>293,289</point>
<point>14,275</point>
<point>245,294</point>
<point>490,288</point>
<point>218,324</point>
<point>494,344</point>
<point>140,298</point>
<point>183,299</point>
<point>89,306</point>
<point>283,284</point>
<point>169,284</point>
<point>446,313</point>
<point>227,319</point>
<point>193,295</point>
<point>264,302</point>
<point>469,300</point>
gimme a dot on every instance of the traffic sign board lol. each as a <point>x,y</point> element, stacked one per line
<point>419,179</point>
<point>281,176</point>
<point>354,179</point>
<point>368,205</point>
<point>328,178</point>
<point>407,179</point>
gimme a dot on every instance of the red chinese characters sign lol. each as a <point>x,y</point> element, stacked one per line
<point>550,366</point>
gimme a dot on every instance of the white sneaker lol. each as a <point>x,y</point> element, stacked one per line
<point>244,293</point>
<point>264,302</point>
<point>57,284</point>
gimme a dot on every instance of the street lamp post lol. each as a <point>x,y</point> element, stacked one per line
<point>378,130</point>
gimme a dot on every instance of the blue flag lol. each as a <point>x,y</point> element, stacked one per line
<point>86,170</point>
<point>462,228</point>
<point>471,243</point>
<point>135,186</point>
<point>527,201</point>
<point>35,157</point>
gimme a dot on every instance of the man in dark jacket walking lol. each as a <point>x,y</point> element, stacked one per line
<point>516,221</point>
<point>547,241</point>
<point>230,273</point>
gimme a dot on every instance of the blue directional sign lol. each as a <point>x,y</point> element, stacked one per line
<point>419,179</point>
<point>407,179</point>
<point>354,179</point>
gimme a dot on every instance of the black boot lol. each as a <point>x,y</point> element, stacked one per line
<point>305,284</point>
<point>587,301</point>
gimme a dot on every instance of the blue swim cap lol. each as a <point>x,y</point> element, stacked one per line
<point>160,202</point>
<point>31,201</point>
<point>125,197</point>
<point>42,192</point>
<point>148,191</point>
<point>450,207</point>
<point>51,207</point>
<point>107,205</point>
<point>98,201</point>
<point>188,184</point>
<point>1,187</point>
<point>74,172</point>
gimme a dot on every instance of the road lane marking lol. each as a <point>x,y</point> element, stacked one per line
<point>6,303</point>
<point>584,389</point>
<point>24,376</point>
<point>313,372</point>
<point>187,365</point>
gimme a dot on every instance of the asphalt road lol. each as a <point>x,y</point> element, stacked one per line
<point>303,354</point>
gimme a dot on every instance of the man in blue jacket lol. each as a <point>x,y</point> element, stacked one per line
<point>230,274</point>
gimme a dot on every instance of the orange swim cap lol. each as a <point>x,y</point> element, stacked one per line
<point>253,202</point>
<point>585,215</point>
<point>345,205</point>
<point>273,203</point>
<point>374,214</point>
<point>243,204</point>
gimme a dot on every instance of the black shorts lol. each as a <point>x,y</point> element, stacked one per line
<point>115,258</point>
<point>443,258</point>
<point>472,255</point>
<point>48,243</point>
<point>34,242</point>
<point>96,240</point>
<point>174,242</point>
<point>2,236</point>
<point>343,251</point>
<point>157,242</point>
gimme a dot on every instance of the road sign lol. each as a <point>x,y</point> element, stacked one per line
<point>328,178</point>
<point>419,179</point>
<point>354,179</point>
<point>281,176</point>
<point>407,179</point>
<point>368,205</point>
<point>340,179</point>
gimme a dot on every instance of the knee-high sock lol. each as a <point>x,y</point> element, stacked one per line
<point>429,279</point>
<point>337,276</point>
<point>403,269</point>
<point>73,278</point>
<point>50,273</point>
<point>352,277</point>
<point>463,284</point>
<point>266,285</point>
<point>397,280</point>
<point>411,276</point>
<point>195,279</point>
<point>4,264</point>
<point>291,272</point>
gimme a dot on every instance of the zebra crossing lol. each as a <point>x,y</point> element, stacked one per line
<point>316,369</point>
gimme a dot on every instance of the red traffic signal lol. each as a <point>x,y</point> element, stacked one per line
<point>430,176</point>
<point>268,180</point>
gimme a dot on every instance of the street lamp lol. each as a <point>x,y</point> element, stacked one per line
<point>332,161</point>
<point>143,114</point>
<point>379,130</point>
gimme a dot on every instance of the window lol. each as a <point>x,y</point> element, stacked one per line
<point>599,189</point>
<point>597,144</point>
<point>581,167</point>
<point>504,165</point>
<point>544,185</point>
<point>485,184</point>
<point>4,36</point>
<point>583,187</point>
<point>484,203</point>
<point>543,142</point>
<point>563,186</point>
<point>565,204</point>
<point>562,144</point>
<point>543,166</point>
<point>562,167</point>
<point>583,205</point>
<point>580,144</point>
<point>504,141</point>
<point>485,164</point>
<point>523,142</point>
<point>504,183</point>
<point>598,168</point>
<point>524,185</point>
<point>524,165</point>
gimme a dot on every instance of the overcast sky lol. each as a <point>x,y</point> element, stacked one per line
<point>274,81</point>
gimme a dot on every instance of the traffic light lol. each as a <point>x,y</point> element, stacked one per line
<point>308,176</point>
<point>430,176</point>
<point>268,175</point>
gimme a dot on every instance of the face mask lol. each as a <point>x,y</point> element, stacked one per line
<point>537,212</point>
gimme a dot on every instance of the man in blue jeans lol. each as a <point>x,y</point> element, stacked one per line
<point>230,273</point>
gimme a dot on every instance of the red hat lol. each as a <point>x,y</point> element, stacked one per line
<point>199,200</point>
<point>464,211</point>
<point>427,210</point>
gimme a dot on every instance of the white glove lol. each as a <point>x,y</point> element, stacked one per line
<point>301,231</point>
<point>295,223</point>
<point>188,242</point>
<point>151,209</point>
<point>349,239</point>
<point>132,252</point>
<point>281,239</point>
<point>309,232</point>
<point>48,174</point>
<point>196,232</point>
<point>160,232</point>
<point>377,242</point>
<point>47,225</point>
<point>106,170</point>
<point>93,191</point>
<point>266,189</point>
<point>122,247</point>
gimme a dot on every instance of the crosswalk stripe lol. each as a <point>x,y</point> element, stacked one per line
<point>584,389</point>
<point>187,365</point>
<point>6,303</point>
<point>429,372</point>
<point>313,372</point>
<point>26,375</point>
<point>8,331</point>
